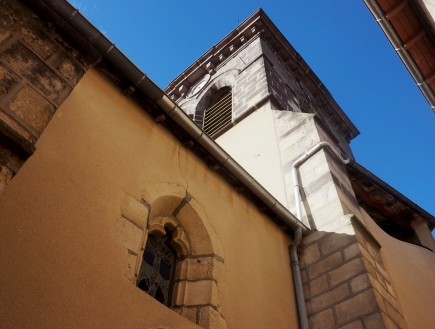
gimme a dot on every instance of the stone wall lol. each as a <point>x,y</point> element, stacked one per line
<point>282,85</point>
<point>38,70</point>
<point>379,278</point>
<point>243,71</point>
<point>345,281</point>
<point>326,191</point>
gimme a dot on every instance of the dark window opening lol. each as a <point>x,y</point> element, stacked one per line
<point>218,117</point>
<point>156,273</point>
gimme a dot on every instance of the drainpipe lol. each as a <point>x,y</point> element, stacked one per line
<point>300,299</point>
<point>301,160</point>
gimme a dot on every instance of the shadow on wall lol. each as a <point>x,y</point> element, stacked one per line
<point>350,278</point>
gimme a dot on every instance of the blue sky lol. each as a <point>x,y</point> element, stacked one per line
<point>340,41</point>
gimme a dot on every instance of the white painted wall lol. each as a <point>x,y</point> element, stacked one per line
<point>253,144</point>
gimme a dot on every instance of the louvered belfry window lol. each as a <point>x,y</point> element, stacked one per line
<point>219,116</point>
<point>156,273</point>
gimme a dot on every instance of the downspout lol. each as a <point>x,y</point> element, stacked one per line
<point>300,299</point>
<point>301,160</point>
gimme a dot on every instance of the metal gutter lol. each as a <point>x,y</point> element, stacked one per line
<point>403,199</point>
<point>139,79</point>
<point>404,55</point>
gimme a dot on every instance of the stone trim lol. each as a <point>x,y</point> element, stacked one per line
<point>345,281</point>
<point>197,277</point>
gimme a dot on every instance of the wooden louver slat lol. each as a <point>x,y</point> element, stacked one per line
<point>218,116</point>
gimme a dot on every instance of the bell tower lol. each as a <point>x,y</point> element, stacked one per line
<point>258,99</point>
<point>256,96</point>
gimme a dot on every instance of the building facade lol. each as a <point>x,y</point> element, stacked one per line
<point>124,206</point>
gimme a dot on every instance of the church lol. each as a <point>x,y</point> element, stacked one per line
<point>229,200</point>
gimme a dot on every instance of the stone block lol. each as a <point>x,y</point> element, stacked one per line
<point>352,251</point>
<point>204,268</point>
<point>381,270</point>
<point>384,293</point>
<point>4,34</point>
<point>322,169</point>
<point>209,318</point>
<point>313,237</point>
<point>187,312</point>
<point>313,162</point>
<point>309,255</point>
<point>69,70</point>
<point>130,269</point>
<point>317,200</point>
<point>354,325</point>
<point>335,242</point>
<point>390,289</point>
<point>389,324</point>
<point>322,320</point>
<point>346,271</point>
<point>181,269</point>
<point>304,276</point>
<point>381,301</point>
<point>325,265</point>
<point>33,108</point>
<point>26,26</point>
<point>200,293</point>
<point>8,81</point>
<point>135,211</point>
<point>328,215</point>
<point>316,286</point>
<point>359,283</point>
<point>332,192</point>
<point>373,250</point>
<point>374,321</point>
<point>37,72</point>
<point>358,305</point>
<point>289,153</point>
<point>396,316</point>
<point>18,127</point>
<point>309,141</point>
<point>360,236</point>
<point>329,298</point>
<point>129,235</point>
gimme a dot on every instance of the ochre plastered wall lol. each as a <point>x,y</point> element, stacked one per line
<point>411,269</point>
<point>63,262</point>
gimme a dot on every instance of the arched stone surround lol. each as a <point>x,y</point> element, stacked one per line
<point>200,261</point>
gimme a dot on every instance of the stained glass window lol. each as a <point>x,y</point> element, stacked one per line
<point>157,269</point>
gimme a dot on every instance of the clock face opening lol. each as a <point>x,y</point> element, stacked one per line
<point>200,85</point>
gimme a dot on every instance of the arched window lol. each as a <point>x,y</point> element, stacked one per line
<point>156,273</point>
<point>218,117</point>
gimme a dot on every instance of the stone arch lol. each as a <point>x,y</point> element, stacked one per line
<point>225,79</point>
<point>180,240</point>
<point>200,262</point>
